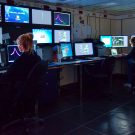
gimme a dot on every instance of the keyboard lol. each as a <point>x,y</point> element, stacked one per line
<point>94,58</point>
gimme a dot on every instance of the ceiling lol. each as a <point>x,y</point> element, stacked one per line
<point>112,7</point>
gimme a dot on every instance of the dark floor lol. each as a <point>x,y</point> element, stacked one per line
<point>96,115</point>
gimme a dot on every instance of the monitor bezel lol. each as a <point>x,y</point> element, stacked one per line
<point>7,52</point>
<point>83,56</point>
<point>68,57</point>
<point>21,23</point>
<point>62,30</point>
<point>59,25</point>
<point>44,28</point>
<point>38,24</point>
<point>104,43</point>
<point>120,36</point>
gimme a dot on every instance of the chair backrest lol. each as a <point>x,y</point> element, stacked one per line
<point>108,65</point>
<point>34,83</point>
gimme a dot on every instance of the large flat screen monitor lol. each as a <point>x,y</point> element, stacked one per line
<point>66,49</point>
<point>119,41</point>
<point>13,52</point>
<point>14,31</point>
<point>83,49</point>
<point>41,17</point>
<point>61,19</point>
<point>107,40</point>
<point>61,36</point>
<point>16,14</point>
<point>42,35</point>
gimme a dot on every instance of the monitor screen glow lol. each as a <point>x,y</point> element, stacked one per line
<point>13,52</point>
<point>83,49</point>
<point>16,14</point>
<point>61,36</point>
<point>61,19</point>
<point>42,35</point>
<point>119,41</point>
<point>0,35</point>
<point>41,17</point>
<point>107,40</point>
<point>66,50</point>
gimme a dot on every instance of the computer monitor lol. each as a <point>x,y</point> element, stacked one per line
<point>61,36</point>
<point>107,40</point>
<point>83,49</point>
<point>61,19</point>
<point>13,52</point>
<point>119,41</point>
<point>16,14</point>
<point>46,53</point>
<point>41,17</point>
<point>42,35</point>
<point>66,50</point>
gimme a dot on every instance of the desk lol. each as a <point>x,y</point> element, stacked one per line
<point>58,65</point>
<point>121,62</point>
<point>79,63</point>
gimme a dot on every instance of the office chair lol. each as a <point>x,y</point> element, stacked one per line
<point>28,92</point>
<point>102,73</point>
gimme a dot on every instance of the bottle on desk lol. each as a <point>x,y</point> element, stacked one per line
<point>59,57</point>
<point>59,54</point>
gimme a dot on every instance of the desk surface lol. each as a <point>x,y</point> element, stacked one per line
<point>57,64</point>
<point>120,55</point>
<point>53,64</point>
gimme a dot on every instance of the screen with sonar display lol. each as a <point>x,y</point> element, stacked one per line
<point>13,52</point>
<point>61,19</point>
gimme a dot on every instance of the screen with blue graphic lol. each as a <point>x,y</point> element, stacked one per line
<point>61,19</point>
<point>13,52</point>
<point>0,35</point>
<point>16,14</point>
<point>42,35</point>
<point>107,40</point>
<point>66,49</point>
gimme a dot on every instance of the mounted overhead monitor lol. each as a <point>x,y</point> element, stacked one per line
<point>16,14</point>
<point>13,52</point>
<point>107,40</point>
<point>119,41</point>
<point>61,36</point>
<point>61,19</point>
<point>41,17</point>
<point>42,35</point>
